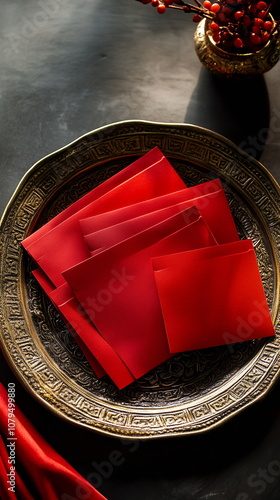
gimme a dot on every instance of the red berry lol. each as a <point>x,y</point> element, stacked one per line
<point>222,18</point>
<point>255,39</point>
<point>196,18</point>
<point>207,4</point>
<point>261,5</point>
<point>262,14</point>
<point>216,36</point>
<point>161,9</point>
<point>268,25</point>
<point>215,7</point>
<point>146,1</point>
<point>227,11</point>
<point>264,37</point>
<point>214,27</point>
<point>238,14</point>
<point>155,3</point>
<point>256,29</point>
<point>252,8</point>
<point>238,43</point>
<point>258,22</point>
<point>225,35</point>
<point>246,20</point>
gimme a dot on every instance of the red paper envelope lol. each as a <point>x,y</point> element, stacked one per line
<point>112,235</point>
<point>63,246</point>
<point>148,159</point>
<point>117,289</point>
<point>49,289</point>
<point>212,296</point>
<point>208,197</point>
<point>105,359</point>
<point>69,306</point>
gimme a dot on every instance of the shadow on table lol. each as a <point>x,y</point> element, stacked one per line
<point>237,109</point>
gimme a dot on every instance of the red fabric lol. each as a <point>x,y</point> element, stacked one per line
<point>51,475</point>
<point>7,490</point>
<point>63,246</point>
<point>212,296</point>
<point>116,287</point>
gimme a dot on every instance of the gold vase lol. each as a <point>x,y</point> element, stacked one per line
<point>226,64</point>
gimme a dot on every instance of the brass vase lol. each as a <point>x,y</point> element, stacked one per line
<point>226,64</point>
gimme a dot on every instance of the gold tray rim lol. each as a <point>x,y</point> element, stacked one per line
<point>109,428</point>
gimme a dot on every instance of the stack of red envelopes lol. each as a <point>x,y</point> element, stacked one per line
<point>143,267</point>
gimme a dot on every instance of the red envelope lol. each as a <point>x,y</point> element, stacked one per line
<point>105,359</point>
<point>63,246</point>
<point>112,235</point>
<point>69,306</point>
<point>48,288</point>
<point>212,296</point>
<point>208,197</point>
<point>148,159</point>
<point>117,289</point>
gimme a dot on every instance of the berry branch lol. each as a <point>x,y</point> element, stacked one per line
<point>236,25</point>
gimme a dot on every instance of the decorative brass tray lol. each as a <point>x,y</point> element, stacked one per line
<point>194,391</point>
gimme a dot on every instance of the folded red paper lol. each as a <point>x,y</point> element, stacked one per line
<point>112,235</point>
<point>95,262</point>
<point>63,246</point>
<point>61,296</point>
<point>209,198</point>
<point>105,359</point>
<point>153,156</point>
<point>87,335</point>
<point>212,296</point>
<point>116,288</point>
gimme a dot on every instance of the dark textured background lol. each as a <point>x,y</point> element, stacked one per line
<point>68,67</point>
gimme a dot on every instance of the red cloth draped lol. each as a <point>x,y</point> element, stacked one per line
<point>52,476</point>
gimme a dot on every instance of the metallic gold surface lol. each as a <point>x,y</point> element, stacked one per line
<point>229,65</point>
<point>192,392</point>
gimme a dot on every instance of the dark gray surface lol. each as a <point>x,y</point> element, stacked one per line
<point>68,67</point>
<point>71,67</point>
